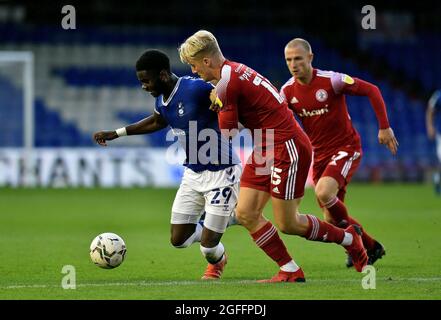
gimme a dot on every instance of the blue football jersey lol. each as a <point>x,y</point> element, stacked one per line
<point>435,103</point>
<point>187,113</point>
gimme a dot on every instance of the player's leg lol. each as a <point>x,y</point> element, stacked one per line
<point>265,235</point>
<point>183,235</point>
<point>186,210</point>
<point>220,203</point>
<point>232,221</point>
<point>290,171</point>
<point>211,246</point>
<point>312,228</point>
<point>327,191</point>
<point>250,208</point>
<point>331,177</point>
<point>330,190</point>
<point>254,194</point>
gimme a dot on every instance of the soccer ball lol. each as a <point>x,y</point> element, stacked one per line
<point>107,250</point>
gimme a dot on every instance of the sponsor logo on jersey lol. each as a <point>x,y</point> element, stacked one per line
<point>181,110</point>
<point>347,79</point>
<point>321,95</point>
<point>316,112</point>
<point>294,100</point>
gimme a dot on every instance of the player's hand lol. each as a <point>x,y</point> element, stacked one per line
<point>216,104</point>
<point>101,137</point>
<point>387,137</point>
<point>431,132</point>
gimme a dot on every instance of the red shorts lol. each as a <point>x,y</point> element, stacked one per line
<point>340,166</point>
<point>281,171</point>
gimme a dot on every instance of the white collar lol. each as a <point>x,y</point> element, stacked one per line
<point>172,93</point>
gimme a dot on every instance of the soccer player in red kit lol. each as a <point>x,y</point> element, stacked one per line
<point>249,98</point>
<point>318,99</point>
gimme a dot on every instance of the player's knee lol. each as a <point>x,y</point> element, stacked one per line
<point>291,229</point>
<point>329,219</point>
<point>324,194</point>
<point>246,217</point>
<point>284,229</point>
<point>179,241</point>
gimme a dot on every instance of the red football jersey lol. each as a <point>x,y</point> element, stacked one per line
<point>252,100</point>
<point>321,107</point>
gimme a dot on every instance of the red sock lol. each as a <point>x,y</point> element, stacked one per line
<point>339,214</point>
<point>319,230</point>
<point>267,239</point>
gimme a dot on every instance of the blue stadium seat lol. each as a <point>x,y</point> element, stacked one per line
<point>406,116</point>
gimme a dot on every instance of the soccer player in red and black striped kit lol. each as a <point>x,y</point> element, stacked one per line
<point>318,99</point>
<point>249,98</point>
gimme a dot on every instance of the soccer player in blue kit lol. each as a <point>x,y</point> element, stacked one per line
<point>211,178</point>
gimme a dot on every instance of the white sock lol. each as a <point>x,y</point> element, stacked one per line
<point>198,233</point>
<point>213,255</point>
<point>347,240</point>
<point>290,267</point>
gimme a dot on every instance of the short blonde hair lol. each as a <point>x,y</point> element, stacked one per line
<point>299,42</point>
<point>202,42</point>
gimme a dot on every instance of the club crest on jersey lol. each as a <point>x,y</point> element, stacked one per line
<point>321,95</point>
<point>180,109</point>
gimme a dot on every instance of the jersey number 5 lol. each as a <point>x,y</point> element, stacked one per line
<point>275,177</point>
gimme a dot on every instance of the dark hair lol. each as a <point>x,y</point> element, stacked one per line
<point>153,60</point>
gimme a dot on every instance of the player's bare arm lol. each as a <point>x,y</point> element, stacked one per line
<point>147,125</point>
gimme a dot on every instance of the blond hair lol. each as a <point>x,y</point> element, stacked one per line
<point>299,42</point>
<point>202,42</point>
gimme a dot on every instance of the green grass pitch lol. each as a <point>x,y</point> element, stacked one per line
<point>42,230</point>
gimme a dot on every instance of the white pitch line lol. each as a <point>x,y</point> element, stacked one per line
<point>203,283</point>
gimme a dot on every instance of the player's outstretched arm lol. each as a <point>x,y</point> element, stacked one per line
<point>101,137</point>
<point>387,137</point>
<point>147,125</point>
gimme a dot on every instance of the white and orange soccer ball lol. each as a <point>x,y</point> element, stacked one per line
<point>108,250</point>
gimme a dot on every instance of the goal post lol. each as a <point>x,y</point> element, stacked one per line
<point>26,80</point>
